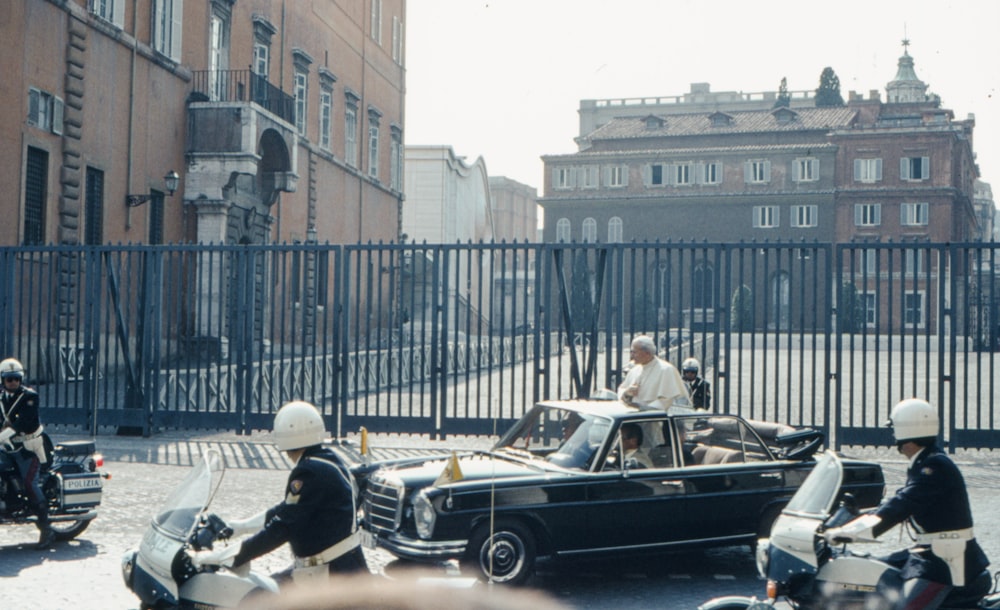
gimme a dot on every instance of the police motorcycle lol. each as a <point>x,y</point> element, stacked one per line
<point>71,481</point>
<point>811,572</point>
<point>161,573</point>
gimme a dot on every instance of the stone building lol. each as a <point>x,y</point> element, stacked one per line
<point>281,121</point>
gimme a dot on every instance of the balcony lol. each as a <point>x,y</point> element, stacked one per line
<point>242,86</point>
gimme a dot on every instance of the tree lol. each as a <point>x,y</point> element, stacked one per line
<point>784,98</point>
<point>828,93</point>
<point>741,309</point>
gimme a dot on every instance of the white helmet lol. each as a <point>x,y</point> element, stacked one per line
<point>298,424</point>
<point>11,367</point>
<point>914,418</point>
<point>691,364</point>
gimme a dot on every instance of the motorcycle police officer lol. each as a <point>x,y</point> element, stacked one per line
<point>21,437</point>
<point>699,388</point>
<point>318,516</point>
<point>936,502</point>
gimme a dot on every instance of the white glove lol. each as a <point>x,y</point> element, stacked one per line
<point>5,435</point>
<point>216,557</point>
<point>249,525</point>
<point>856,529</point>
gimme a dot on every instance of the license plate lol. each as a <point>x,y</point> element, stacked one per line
<point>78,484</point>
<point>368,539</point>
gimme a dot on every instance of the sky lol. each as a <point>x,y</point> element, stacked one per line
<point>503,79</point>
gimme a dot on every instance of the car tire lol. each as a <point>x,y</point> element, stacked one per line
<point>505,557</point>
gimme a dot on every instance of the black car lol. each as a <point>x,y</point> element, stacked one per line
<point>562,483</point>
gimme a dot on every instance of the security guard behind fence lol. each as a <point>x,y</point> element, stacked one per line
<point>318,516</point>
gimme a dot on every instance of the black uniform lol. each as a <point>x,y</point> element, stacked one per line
<point>935,499</point>
<point>20,412</point>
<point>701,393</point>
<point>318,512</point>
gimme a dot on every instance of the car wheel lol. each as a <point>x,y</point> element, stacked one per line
<point>505,556</point>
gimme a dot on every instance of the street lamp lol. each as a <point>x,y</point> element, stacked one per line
<point>170,181</point>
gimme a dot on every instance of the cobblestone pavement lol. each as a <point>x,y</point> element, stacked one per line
<point>85,573</point>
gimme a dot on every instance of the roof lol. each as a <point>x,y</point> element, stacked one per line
<point>757,121</point>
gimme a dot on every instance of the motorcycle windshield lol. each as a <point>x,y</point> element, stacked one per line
<point>819,491</point>
<point>179,514</point>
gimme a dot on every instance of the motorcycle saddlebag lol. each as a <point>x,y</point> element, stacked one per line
<point>81,490</point>
<point>76,447</point>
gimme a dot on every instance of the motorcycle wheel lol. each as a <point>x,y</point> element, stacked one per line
<point>68,530</point>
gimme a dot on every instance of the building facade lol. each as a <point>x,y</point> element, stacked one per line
<point>282,121</point>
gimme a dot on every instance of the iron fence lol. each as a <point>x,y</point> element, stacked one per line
<point>460,339</point>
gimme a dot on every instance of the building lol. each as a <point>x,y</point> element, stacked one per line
<point>273,120</point>
<point>448,199</point>
<point>727,168</point>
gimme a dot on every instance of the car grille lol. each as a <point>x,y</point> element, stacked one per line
<point>383,504</point>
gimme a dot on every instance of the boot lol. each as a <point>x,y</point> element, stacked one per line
<point>46,535</point>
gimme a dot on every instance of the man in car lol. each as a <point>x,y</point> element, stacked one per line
<point>632,446</point>
<point>652,382</point>
<point>936,502</point>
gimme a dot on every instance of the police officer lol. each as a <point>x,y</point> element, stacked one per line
<point>699,389</point>
<point>935,501</point>
<point>318,516</point>
<point>21,436</point>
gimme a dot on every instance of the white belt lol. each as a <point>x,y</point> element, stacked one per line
<point>20,438</point>
<point>331,553</point>
<point>962,534</point>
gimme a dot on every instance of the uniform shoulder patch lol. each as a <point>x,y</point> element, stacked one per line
<point>295,486</point>
<point>927,471</point>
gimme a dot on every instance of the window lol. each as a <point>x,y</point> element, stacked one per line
<point>913,261</point>
<point>804,216</point>
<point>376,23</point>
<point>867,261</point>
<point>617,176</point>
<point>156,204</point>
<point>765,216</point>
<point>168,17</point>
<point>682,173</point>
<point>589,230</point>
<point>563,230</point>
<point>590,177</point>
<point>867,170</point>
<point>301,91</point>
<point>806,170</point>
<point>757,172</point>
<point>711,173</point>
<point>373,127</point>
<point>656,176</point>
<point>397,40</point>
<point>867,214</point>
<point>615,230</point>
<point>325,111</point>
<point>913,309</point>
<point>261,59</point>
<point>45,111</point>
<point>351,128</point>
<point>93,230</point>
<point>914,168</point>
<point>396,158</point>
<point>218,54</point>
<point>562,178</point>
<point>36,178</point>
<point>109,10</point>
<point>869,308</point>
<point>913,214</point>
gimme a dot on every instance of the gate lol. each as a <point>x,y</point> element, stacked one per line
<point>461,338</point>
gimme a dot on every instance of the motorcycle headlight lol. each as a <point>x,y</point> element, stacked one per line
<point>424,515</point>
<point>763,556</point>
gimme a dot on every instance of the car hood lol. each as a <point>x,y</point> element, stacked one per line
<point>471,468</point>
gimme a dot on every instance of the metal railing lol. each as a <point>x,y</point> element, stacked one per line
<point>242,86</point>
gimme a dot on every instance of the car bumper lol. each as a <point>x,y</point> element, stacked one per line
<point>414,548</point>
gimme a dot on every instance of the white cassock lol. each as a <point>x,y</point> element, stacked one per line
<point>660,385</point>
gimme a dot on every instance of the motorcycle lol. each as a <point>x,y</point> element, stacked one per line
<point>160,572</point>
<point>810,572</point>
<point>71,482</point>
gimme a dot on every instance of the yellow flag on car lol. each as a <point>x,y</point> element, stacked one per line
<point>452,471</point>
<point>364,441</point>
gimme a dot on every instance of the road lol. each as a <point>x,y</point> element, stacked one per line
<point>85,573</point>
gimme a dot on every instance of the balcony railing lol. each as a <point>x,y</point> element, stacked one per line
<point>242,86</point>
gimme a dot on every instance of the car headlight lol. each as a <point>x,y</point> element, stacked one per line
<point>128,565</point>
<point>763,556</point>
<point>423,515</point>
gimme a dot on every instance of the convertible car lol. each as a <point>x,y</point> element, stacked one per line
<point>564,482</point>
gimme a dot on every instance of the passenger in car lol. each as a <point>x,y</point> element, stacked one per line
<point>632,445</point>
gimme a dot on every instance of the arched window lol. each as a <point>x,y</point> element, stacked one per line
<point>615,230</point>
<point>589,230</point>
<point>563,232</point>
<point>703,286</point>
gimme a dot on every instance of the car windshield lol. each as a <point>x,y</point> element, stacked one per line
<point>564,437</point>
<point>819,490</point>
